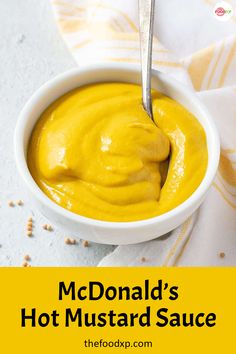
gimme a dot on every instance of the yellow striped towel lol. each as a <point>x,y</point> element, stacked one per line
<point>195,47</point>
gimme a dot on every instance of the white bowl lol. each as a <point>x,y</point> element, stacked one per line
<point>118,233</point>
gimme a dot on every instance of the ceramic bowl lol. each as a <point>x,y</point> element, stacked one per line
<point>118,233</point>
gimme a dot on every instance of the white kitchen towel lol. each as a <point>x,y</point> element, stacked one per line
<point>195,46</point>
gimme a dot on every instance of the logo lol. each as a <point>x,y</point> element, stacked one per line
<point>223,11</point>
<point>220,11</point>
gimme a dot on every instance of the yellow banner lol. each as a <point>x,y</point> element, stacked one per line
<point>131,310</point>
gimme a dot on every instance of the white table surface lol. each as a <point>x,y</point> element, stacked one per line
<point>31,52</point>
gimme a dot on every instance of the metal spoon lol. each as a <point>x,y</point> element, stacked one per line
<point>146,19</point>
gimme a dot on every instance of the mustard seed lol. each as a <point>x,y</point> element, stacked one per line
<point>49,227</point>
<point>85,243</point>
<point>70,241</point>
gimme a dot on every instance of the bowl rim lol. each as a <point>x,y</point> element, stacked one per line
<point>22,166</point>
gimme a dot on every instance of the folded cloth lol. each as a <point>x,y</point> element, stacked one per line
<point>195,47</point>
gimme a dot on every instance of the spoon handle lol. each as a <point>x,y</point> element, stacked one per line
<point>146,19</point>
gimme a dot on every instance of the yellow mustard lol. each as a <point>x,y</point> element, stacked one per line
<point>95,152</point>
